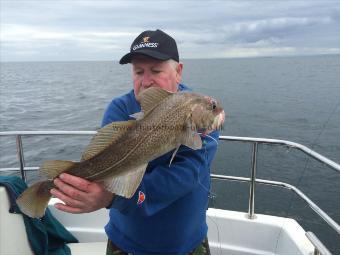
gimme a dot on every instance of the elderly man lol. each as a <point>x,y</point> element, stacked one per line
<point>167,214</point>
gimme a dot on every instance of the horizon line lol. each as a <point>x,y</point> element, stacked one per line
<point>184,59</point>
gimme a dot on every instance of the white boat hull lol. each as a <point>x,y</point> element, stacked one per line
<point>229,233</point>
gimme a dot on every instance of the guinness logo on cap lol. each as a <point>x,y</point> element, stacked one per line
<point>146,39</point>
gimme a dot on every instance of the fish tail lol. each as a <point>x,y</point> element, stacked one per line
<point>34,200</point>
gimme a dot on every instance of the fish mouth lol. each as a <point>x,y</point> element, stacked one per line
<point>219,121</point>
<point>216,125</point>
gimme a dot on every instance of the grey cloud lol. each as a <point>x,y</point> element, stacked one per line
<point>271,28</point>
<point>201,28</point>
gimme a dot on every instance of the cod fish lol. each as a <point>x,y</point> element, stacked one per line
<point>119,153</point>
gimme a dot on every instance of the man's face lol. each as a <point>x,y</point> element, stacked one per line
<point>148,72</point>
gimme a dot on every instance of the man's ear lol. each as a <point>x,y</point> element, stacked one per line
<point>179,70</point>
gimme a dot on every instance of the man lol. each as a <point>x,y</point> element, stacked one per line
<point>167,213</point>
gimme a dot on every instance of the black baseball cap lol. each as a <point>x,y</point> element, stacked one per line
<point>155,44</point>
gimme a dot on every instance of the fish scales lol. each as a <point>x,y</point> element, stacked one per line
<point>155,131</point>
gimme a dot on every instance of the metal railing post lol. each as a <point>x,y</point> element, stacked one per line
<point>20,152</point>
<point>319,248</point>
<point>251,208</point>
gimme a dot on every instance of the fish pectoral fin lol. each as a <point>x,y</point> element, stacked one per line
<point>105,137</point>
<point>192,140</point>
<point>52,168</point>
<point>150,98</point>
<point>125,185</point>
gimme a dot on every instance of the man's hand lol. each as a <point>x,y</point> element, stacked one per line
<point>80,195</point>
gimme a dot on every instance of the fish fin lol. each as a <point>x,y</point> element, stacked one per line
<point>173,155</point>
<point>105,137</point>
<point>150,98</point>
<point>192,140</point>
<point>52,168</point>
<point>125,185</point>
<point>137,115</point>
<point>34,200</point>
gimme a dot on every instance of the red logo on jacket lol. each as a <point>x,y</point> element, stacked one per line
<point>141,197</point>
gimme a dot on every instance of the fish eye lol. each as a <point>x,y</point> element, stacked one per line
<point>213,105</point>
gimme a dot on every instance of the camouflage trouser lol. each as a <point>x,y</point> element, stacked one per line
<point>202,249</point>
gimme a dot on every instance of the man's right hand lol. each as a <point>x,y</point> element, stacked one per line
<point>80,195</point>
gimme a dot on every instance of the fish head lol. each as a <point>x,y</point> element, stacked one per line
<point>207,114</point>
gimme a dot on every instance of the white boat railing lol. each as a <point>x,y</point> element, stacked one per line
<point>320,249</point>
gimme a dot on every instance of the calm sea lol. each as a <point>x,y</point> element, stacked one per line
<point>294,98</point>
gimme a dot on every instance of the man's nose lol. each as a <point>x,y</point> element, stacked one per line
<point>147,80</point>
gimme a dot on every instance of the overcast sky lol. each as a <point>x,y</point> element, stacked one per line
<point>104,30</point>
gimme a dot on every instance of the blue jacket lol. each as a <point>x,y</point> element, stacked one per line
<point>167,214</point>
